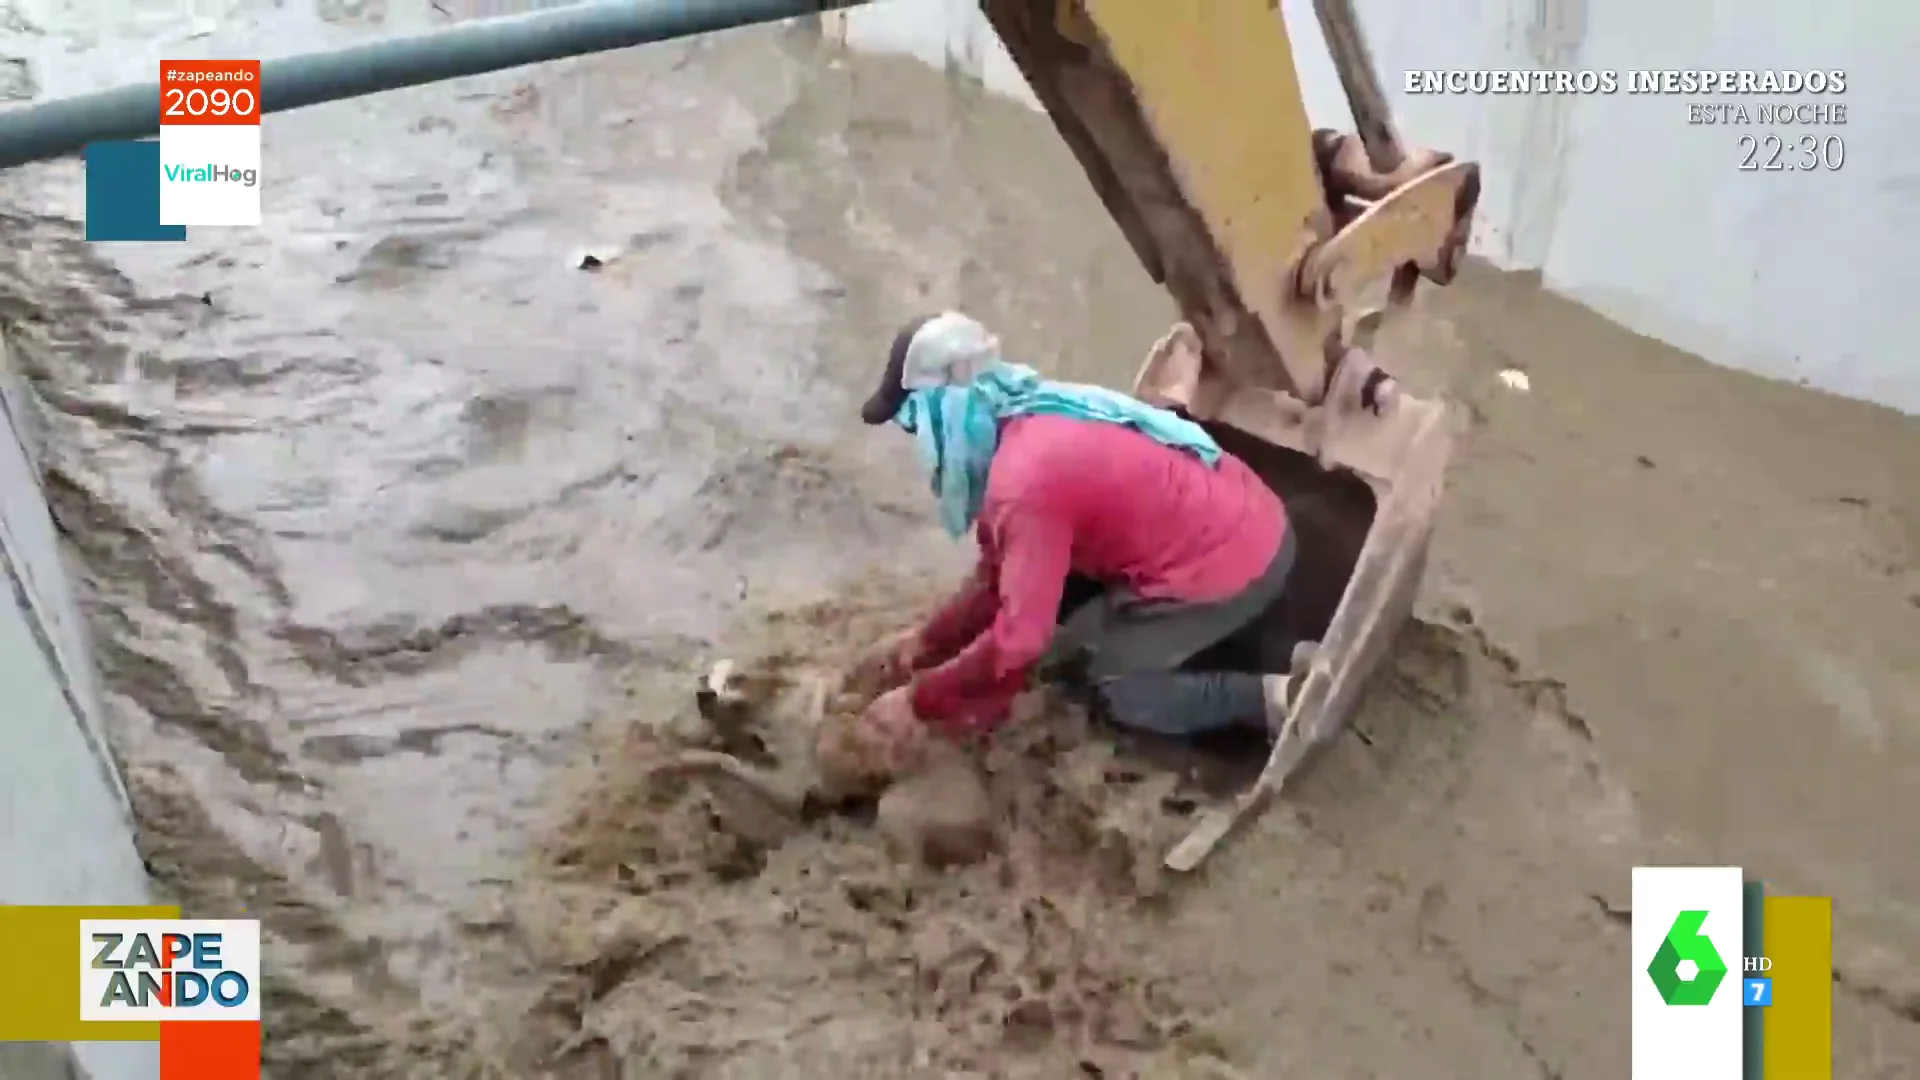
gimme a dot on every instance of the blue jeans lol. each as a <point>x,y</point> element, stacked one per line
<point>1133,655</point>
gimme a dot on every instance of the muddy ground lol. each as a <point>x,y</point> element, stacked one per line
<point>394,529</point>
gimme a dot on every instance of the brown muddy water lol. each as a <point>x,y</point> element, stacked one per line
<point>394,527</point>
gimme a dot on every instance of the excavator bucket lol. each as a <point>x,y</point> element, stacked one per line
<point>1188,120</point>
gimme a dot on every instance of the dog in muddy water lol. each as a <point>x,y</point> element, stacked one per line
<point>782,753</point>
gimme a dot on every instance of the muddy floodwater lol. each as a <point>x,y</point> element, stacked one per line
<point>393,524</point>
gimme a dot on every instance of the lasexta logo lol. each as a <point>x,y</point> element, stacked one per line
<point>1687,969</point>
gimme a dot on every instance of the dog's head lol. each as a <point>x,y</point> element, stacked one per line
<point>755,711</point>
<point>782,715</point>
<point>718,696</point>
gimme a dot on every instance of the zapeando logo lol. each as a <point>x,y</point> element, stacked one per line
<point>1686,946</point>
<point>169,970</point>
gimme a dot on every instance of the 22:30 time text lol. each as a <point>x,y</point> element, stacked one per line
<point>1808,153</point>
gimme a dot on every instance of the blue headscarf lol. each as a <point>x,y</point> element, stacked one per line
<point>956,428</point>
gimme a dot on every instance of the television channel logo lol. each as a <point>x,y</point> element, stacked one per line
<point>1689,927</point>
<point>169,969</point>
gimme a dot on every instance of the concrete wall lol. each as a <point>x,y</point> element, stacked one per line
<point>1617,199</point>
<point>66,829</point>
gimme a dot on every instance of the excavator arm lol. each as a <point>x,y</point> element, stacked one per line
<point>1188,119</point>
<point>1273,238</point>
<point>1219,207</point>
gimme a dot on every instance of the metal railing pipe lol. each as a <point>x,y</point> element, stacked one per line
<point>52,129</point>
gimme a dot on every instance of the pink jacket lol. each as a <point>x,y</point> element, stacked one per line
<point>1096,499</point>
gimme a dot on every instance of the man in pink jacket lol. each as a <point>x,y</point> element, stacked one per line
<point>1180,543</point>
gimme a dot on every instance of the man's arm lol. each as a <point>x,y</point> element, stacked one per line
<point>977,686</point>
<point>963,617</point>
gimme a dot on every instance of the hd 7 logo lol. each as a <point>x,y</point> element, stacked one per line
<point>169,969</point>
<point>1687,969</point>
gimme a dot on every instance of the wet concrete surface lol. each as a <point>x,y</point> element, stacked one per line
<point>380,508</point>
<point>373,504</point>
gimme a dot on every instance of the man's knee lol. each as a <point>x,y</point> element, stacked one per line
<point>1182,703</point>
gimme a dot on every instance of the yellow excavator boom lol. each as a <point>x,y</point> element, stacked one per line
<point>1188,118</point>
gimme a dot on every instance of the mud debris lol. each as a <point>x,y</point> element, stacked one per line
<point>687,934</point>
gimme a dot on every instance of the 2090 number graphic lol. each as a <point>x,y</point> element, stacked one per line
<point>217,102</point>
<point>1808,153</point>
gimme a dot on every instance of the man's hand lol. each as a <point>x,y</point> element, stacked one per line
<point>892,733</point>
<point>867,753</point>
<point>888,665</point>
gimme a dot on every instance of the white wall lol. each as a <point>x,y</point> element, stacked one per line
<point>66,830</point>
<point>1618,200</point>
